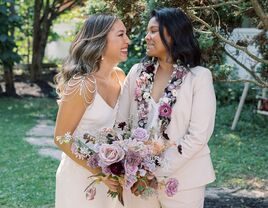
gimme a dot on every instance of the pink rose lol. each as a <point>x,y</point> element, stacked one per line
<point>110,153</point>
<point>165,110</point>
<point>138,92</point>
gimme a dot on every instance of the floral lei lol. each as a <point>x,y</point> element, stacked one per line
<point>143,95</point>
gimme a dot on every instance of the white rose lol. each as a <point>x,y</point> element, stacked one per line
<point>165,100</point>
<point>174,92</point>
<point>146,95</point>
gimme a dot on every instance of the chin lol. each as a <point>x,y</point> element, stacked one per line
<point>123,59</point>
<point>148,53</point>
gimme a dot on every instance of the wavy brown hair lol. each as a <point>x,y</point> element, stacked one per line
<point>86,49</point>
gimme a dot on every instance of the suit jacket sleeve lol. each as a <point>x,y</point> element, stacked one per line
<point>200,128</point>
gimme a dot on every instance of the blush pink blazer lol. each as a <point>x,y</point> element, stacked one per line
<point>192,123</point>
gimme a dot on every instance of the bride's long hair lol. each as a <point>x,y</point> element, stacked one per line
<point>86,50</point>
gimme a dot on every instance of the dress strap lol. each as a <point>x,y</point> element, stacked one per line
<point>119,81</point>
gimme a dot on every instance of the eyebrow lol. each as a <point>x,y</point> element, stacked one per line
<point>153,26</point>
<point>121,31</point>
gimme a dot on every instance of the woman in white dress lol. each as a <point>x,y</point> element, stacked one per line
<point>89,87</point>
<point>169,90</point>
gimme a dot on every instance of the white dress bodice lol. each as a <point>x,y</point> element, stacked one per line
<point>98,115</point>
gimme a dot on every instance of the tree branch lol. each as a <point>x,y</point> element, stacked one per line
<point>244,49</point>
<point>252,73</point>
<point>71,4</point>
<point>244,80</point>
<point>260,13</point>
<point>45,12</point>
<point>68,4</point>
<point>215,5</point>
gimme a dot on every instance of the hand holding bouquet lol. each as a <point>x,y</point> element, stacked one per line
<point>129,156</point>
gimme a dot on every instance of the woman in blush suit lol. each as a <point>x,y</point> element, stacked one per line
<point>169,90</point>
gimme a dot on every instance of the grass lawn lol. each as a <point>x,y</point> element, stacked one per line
<point>28,180</point>
<point>240,156</point>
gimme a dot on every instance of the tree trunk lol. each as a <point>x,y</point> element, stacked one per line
<point>39,46</point>
<point>41,30</point>
<point>9,82</point>
<point>37,33</point>
<point>8,68</point>
<point>40,36</point>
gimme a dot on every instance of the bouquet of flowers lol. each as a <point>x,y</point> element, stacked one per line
<point>126,154</point>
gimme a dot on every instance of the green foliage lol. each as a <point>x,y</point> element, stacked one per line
<point>157,4</point>
<point>206,41</point>
<point>96,6</point>
<point>23,37</point>
<point>227,93</point>
<point>9,21</point>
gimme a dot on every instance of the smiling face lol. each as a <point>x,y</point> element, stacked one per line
<point>155,45</point>
<point>117,43</point>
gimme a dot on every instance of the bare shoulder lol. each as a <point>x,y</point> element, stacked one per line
<point>80,89</point>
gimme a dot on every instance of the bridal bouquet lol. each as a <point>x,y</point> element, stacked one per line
<point>128,155</point>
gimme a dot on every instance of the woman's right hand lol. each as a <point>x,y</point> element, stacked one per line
<point>112,183</point>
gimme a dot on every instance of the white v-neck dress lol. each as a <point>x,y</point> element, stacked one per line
<point>71,178</point>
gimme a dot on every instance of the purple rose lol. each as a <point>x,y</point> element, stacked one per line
<point>93,161</point>
<point>140,134</point>
<point>133,158</point>
<point>171,87</point>
<point>90,193</point>
<point>111,153</point>
<point>165,110</point>
<point>130,169</point>
<point>171,187</point>
<point>106,170</point>
<point>117,168</point>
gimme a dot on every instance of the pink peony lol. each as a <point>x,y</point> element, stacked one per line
<point>165,110</point>
<point>111,153</point>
